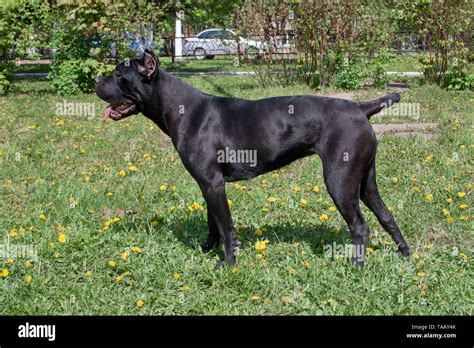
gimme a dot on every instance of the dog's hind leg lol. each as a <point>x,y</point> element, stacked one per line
<point>345,158</point>
<point>343,188</point>
<point>371,198</point>
<point>213,238</point>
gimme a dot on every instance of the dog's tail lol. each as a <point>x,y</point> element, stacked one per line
<point>374,106</point>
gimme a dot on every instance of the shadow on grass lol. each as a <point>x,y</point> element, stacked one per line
<point>192,233</point>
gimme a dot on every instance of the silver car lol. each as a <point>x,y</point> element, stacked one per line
<point>212,42</point>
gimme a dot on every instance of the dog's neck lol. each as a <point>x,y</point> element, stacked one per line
<point>175,100</point>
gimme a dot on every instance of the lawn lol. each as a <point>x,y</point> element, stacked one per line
<point>115,219</point>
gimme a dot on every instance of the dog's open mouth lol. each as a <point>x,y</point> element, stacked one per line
<point>117,111</point>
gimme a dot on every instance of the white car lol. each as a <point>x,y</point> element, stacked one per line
<point>212,42</point>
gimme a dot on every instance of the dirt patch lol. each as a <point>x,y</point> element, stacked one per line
<point>342,95</point>
<point>107,213</point>
<point>406,130</point>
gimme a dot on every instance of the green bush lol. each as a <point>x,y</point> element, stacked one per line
<point>457,79</point>
<point>5,73</point>
<point>78,75</point>
<point>349,78</point>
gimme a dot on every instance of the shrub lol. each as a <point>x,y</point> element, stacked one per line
<point>78,75</point>
<point>458,79</point>
<point>349,78</point>
<point>5,73</point>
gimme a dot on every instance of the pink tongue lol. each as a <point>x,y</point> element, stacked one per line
<point>106,114</point>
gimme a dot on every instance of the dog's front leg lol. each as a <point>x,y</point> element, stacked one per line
<point>216,199</point>
<point>213,238</point>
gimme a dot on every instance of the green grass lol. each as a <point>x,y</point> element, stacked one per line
<point>32,68</point>
<point>47,161</point>
<point>403,62</point>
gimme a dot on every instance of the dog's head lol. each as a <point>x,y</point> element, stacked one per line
<point>129,87</point>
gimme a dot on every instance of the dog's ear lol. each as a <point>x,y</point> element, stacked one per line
<point>149,63</point>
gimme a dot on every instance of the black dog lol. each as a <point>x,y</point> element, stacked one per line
<point>278,130</point>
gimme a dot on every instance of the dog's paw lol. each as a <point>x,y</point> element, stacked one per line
<point>207,247</point>
<point>406,252</point>
<point>220,265</point>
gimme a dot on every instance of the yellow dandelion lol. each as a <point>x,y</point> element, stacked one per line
<point>461,194</point>
<point>112,263</point>
<point>303,202</point>
<point>429,197</point>
<point>445,212</point>
<point>140,304</point>
<point>296,189</point>
<point>415,256</point>
<point>5,273</point>
<point>255,298</point>
<point>123,256</point>
<point>28,278</point>
<point>109,194</point>
<point>88,273</point>
<point>258,232</point>
<point>27,263</point>
<point>234,270</point>
<point>420,274</point>
<point>315,188</point>
<point>62,238</point>
<point>177,276</point>
<point>463,256</point>
<point>163,187</point>
<point>229,201</point>
<point>118,278</point>
<point>369,250</point>
<point>463,206</point>
<point>13,233</point>
<point>332,208</point>
<point>9,261</point>
<point>272,199</point>
<point>285,299</point>
<point>395,180</point>
<point>450,220</point>
<point>186,288</point>
<point>42,217</point>
<point>133,168</point>
<point>323,217</point>
<point>260,246</point>
<point>449,200</point>
<point>136,249</point>
<point>122,173</point>
<point>195,206</point>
